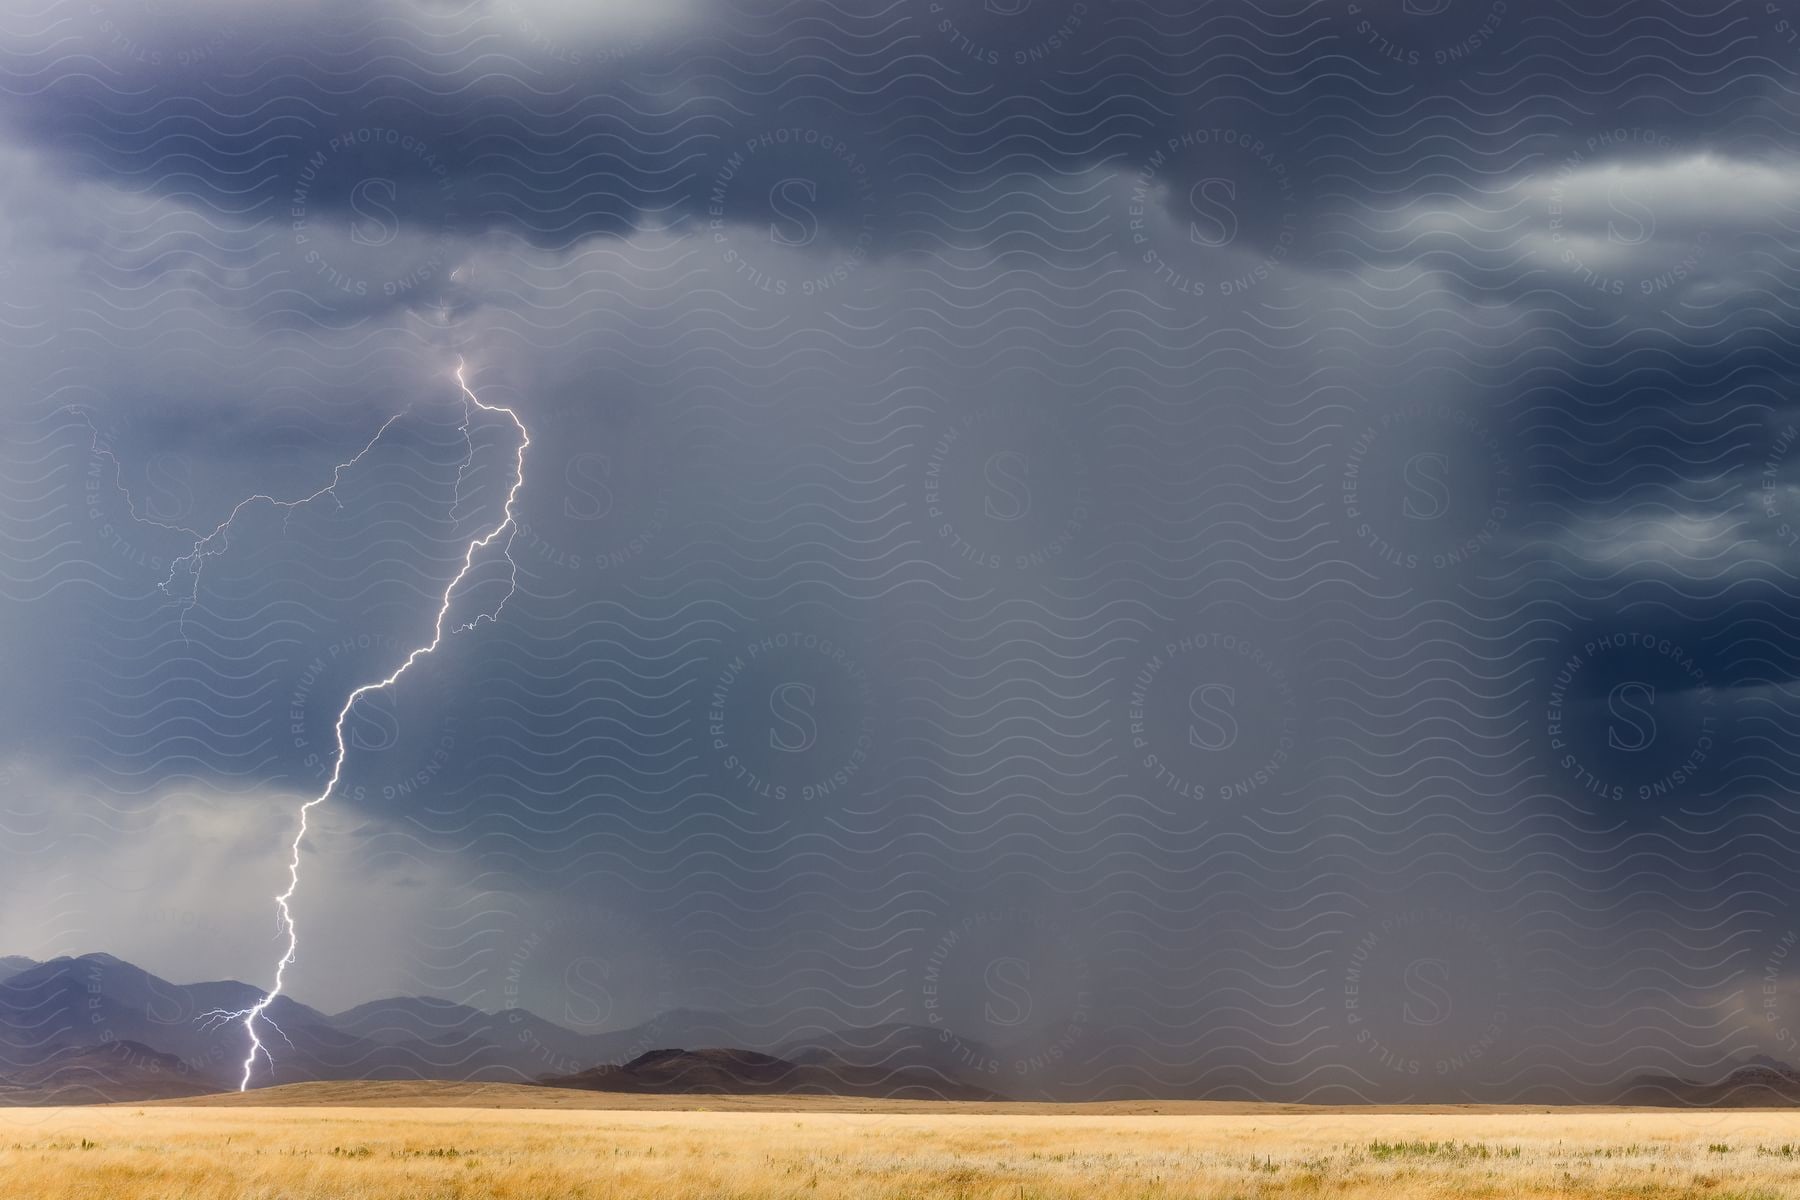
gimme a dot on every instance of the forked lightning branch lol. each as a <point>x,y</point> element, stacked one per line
<point>216,543</point>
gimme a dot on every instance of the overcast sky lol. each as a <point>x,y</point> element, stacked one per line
<point>1248,545</point>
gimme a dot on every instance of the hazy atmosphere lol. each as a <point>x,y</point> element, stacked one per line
<point>1243,549</point>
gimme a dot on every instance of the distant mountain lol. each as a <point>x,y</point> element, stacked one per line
<point>536,1047</point>
<point>94,999</point>
<point>115,1071</point>
<point>1758,1083</point>
<point>98,1027</point>
<point>443,1032</point>
<point>746,1072</point>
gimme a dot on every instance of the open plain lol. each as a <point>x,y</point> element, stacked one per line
<point>451,1142</point>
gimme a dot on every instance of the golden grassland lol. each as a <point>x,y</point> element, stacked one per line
<point>238,1151</point>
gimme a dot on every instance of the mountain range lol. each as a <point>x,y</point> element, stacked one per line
<point>94,1027</point>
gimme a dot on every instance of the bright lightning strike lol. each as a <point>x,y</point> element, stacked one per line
<point>258,1011</point>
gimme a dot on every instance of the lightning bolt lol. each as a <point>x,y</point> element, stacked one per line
<point>194,560</point>
<point>258,1012</point>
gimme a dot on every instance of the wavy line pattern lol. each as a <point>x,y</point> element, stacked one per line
<point>1234,551</point>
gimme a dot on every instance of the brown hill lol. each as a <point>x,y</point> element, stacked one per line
<point>98,1074</point>
<point>745,1072</point>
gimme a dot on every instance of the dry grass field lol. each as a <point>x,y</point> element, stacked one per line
<point>236,1151</point>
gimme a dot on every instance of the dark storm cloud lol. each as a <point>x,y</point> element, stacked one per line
<point>658,120</point>
<point>957,90</point>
